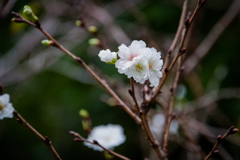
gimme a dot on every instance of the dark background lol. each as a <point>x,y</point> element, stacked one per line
<point>48,88</point>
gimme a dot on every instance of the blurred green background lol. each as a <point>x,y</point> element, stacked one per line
<point>48,88</point>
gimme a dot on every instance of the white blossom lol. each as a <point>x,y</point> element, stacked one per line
<point>140,62</point>
<point>108,56</point>
<point>138,69</point>
<point>6,108</point>
<point>155,65</point>
<point>109,136</point>
<point>127,54</point>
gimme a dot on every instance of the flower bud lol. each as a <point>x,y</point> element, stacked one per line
<point>94,41</point>
<point>108,56</point>
<point>27,10</point>
<point>107,155</point>
<point>29,13</point>
<point>17,20</point>
<point>84,113</point>
<point>86,121</point>
<point>78,23</point>
<point>47,42</point>
<point>92,29</point>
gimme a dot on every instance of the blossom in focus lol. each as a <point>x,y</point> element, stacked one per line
<point>6,108</point>
<point>109,136</point>
<point>140,62</point>
<point>127,54</point>
<point>108,56</point>
<point>138,69</point>
<point>155,65</point>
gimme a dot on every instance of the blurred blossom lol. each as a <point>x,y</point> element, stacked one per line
<point>140,62</point>
<point>221,72</point>
<point>6,108</point>
<point>108,56</point>
<point>109,136</point>
<point>158,122</point>
<point>181,91</point>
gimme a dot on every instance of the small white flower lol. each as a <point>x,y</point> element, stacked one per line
<point>108,56</point>
<point>127,54</point>
<point>109,136</point>
<point>138,69</point>
<point>140,62</point>
<point>155,65</point>
<point>6,108</point>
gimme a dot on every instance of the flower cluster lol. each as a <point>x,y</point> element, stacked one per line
<point>6,108</point>
<point>108,136</point>
<point>137,61</point>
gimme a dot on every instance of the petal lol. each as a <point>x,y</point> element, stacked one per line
<point>123,52</point>
<point>4,99</point>
<point>7,111</point>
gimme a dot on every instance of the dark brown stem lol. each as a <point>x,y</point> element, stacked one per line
<point>230,131</point>
<point>188,23</point>
<point>150,137</point>
<point>171,103</point>
<point>79,138</point>
<point>133,95</point>
<point>212,37</point>
<point>84,65</point>
<point>45,139</point>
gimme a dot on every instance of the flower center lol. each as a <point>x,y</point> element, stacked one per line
<point>132,56</point>
<point>107,139</point>
<point>139,67</point>
<point>1,107</point>
<point>150,65</point>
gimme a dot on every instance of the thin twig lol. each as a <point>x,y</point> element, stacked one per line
<point>84,65</point>
<point>181,51</point>
<point>177,36</point>
<point>45,139</point>
<point>154,142</point>
<point>132,93</point>
<point>79,138</point>
<point>230,131</point>
<point>212,37</point>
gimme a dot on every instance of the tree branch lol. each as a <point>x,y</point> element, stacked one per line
<point>230,131</point>
<point>45,139</point>
<point>212,37</point>
<point>181,51</point>
<point>79,138</point>
<point>56,44</point>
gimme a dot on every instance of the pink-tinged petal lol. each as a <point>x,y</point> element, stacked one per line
<point>123,52</point>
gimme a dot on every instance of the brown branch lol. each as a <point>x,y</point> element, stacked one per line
<point>132,93</point>
<point>45,139</point>
<point>79,138</point>
<point>84,65</point>
<point>188,23</point>
<point>212,37</point>
<point>177,36</point>
<point>230,131</point>
<point>153,141</point>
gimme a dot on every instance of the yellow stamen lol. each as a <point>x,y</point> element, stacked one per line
<point>1,107</point>
<point>139,67</point>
